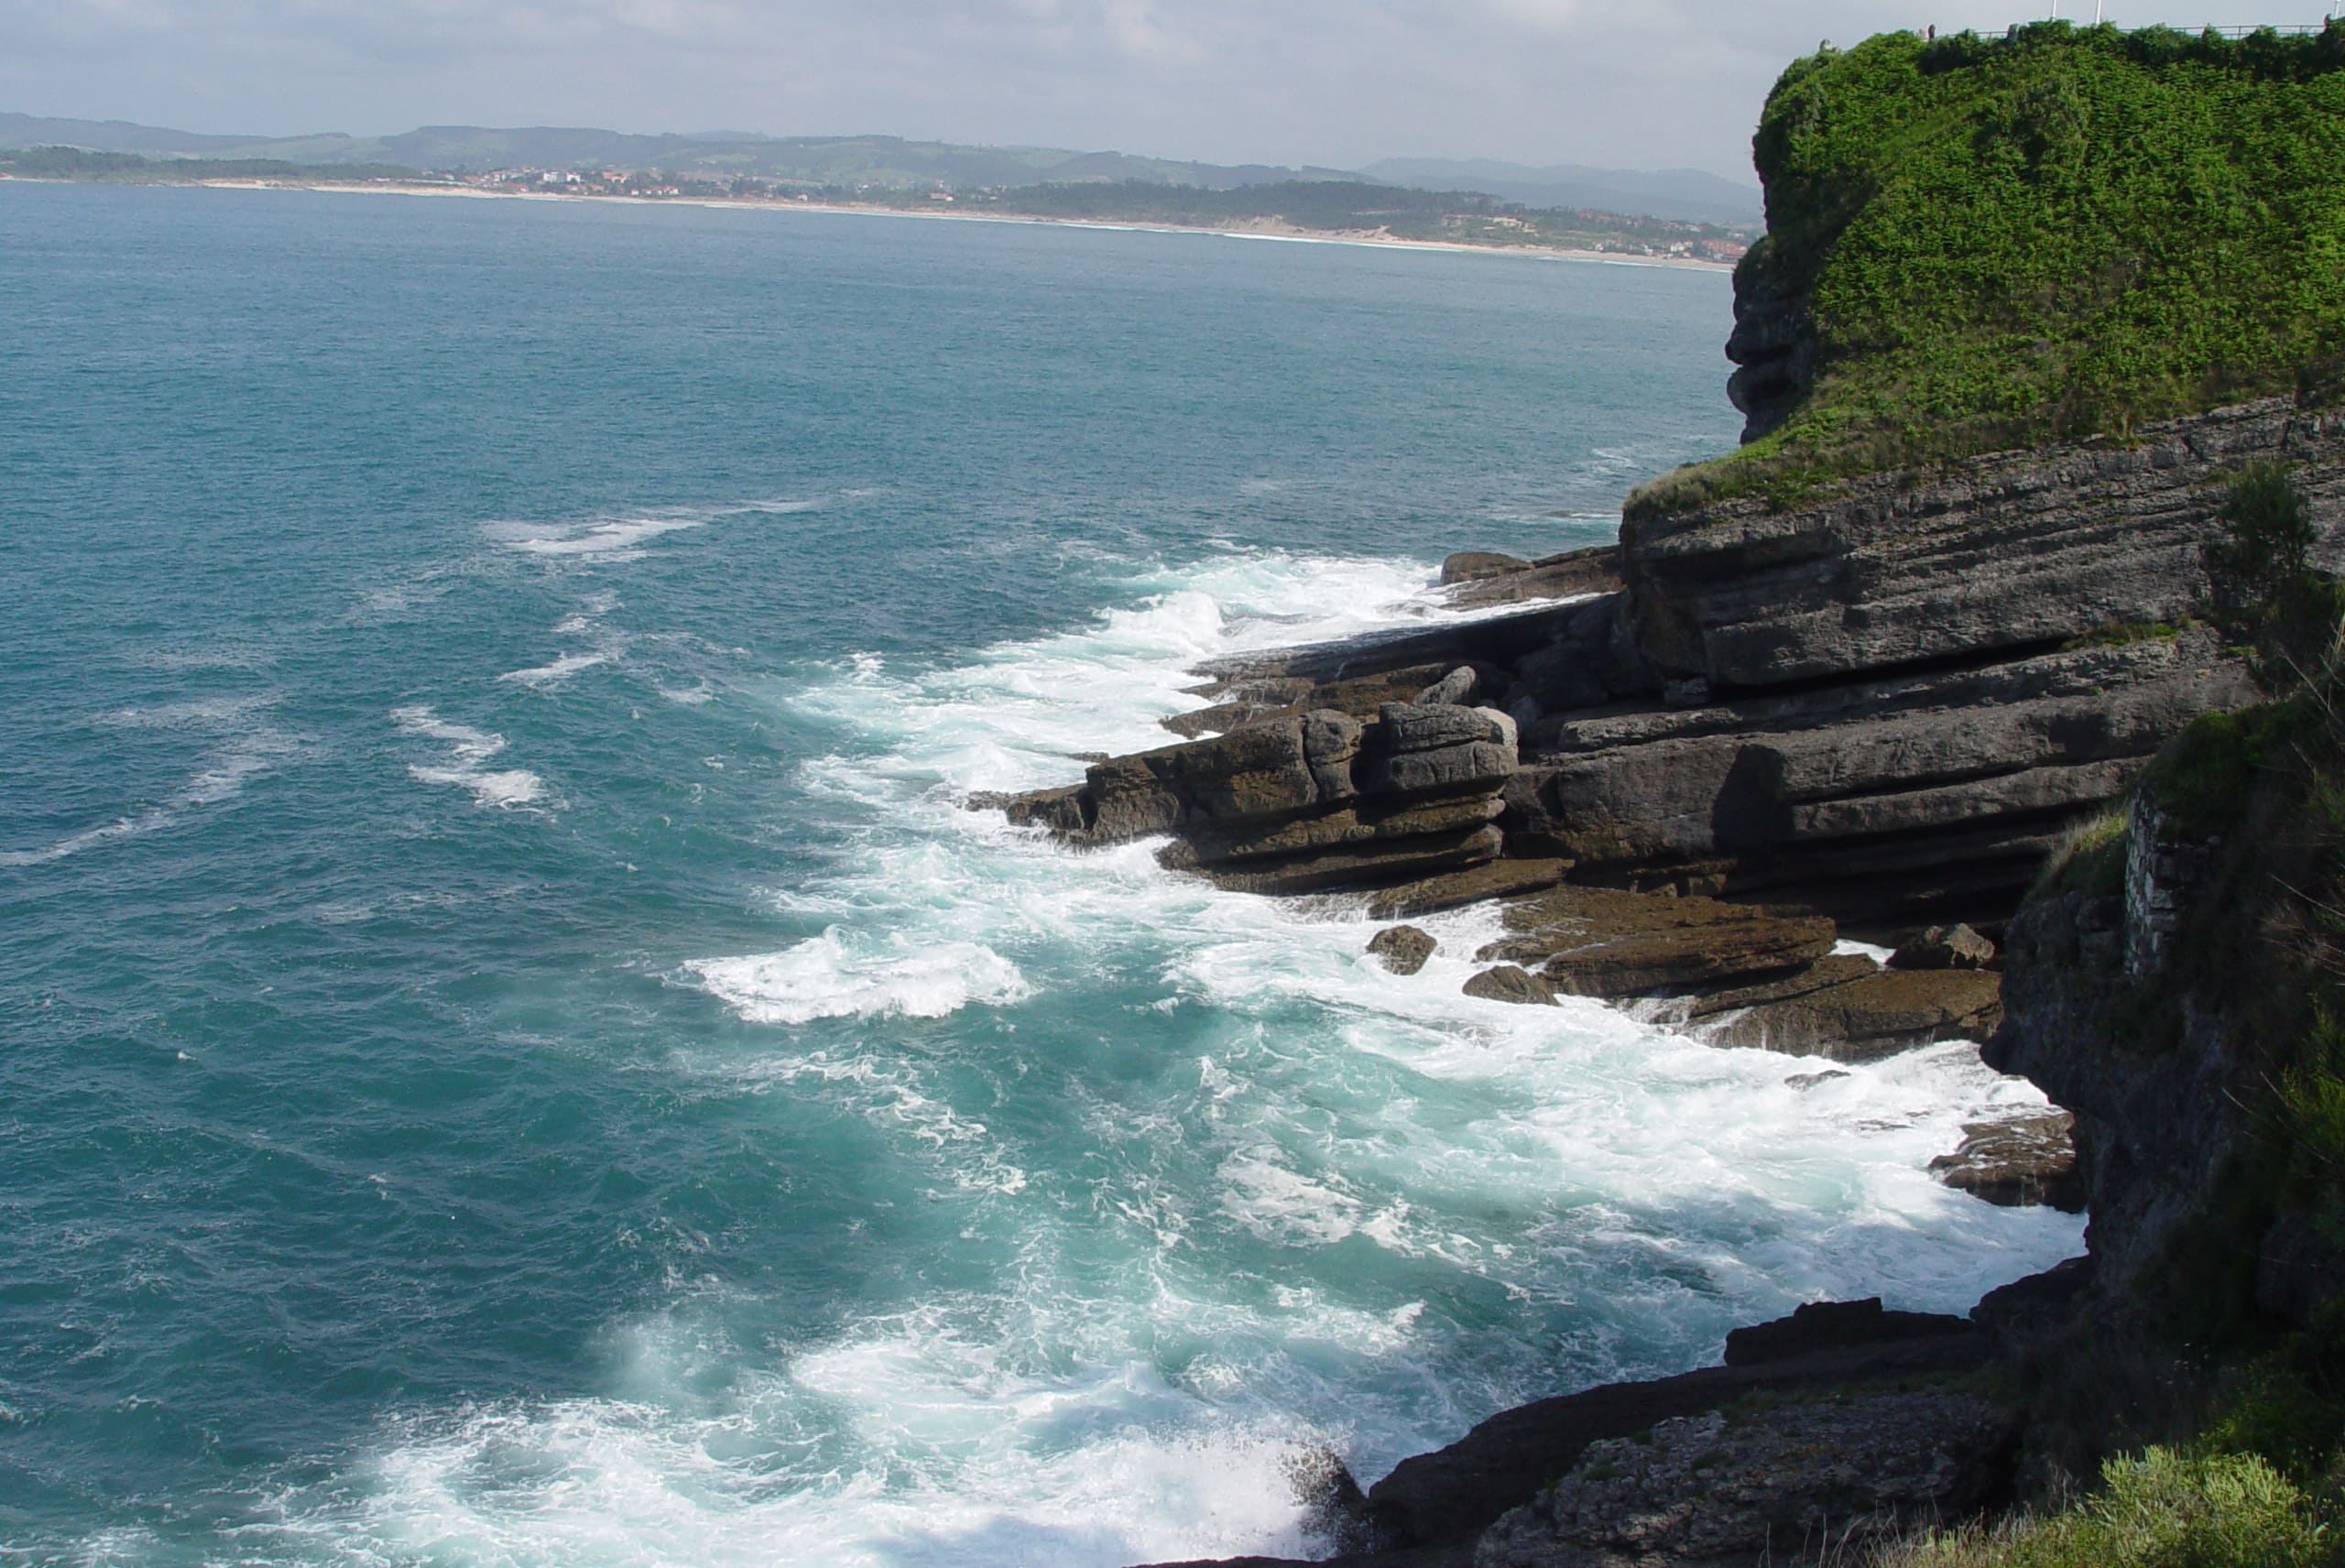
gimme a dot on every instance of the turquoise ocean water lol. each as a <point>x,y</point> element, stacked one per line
<point>511,1050</point>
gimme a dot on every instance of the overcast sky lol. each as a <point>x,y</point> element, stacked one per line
<point>1623,84</point>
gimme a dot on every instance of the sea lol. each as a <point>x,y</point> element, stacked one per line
<point>515,1048</point>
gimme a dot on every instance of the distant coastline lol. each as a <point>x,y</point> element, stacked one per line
<point>1270,229</point>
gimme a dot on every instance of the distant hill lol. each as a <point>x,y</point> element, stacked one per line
<point>821,160</point>
<point>892,162</point>
<point>1687,193</point>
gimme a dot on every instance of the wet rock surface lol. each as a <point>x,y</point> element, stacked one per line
<point>1508,983</point>
<point>1403,949</point>
<point>2022,1162</point>
<point>1598,941</point>
<point>1858,1012</point>
<point>1504,878</point>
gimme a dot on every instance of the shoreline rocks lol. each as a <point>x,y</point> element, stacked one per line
<point>1685,766</point>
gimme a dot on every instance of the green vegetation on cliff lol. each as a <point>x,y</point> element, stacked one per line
<point>2058,233</point>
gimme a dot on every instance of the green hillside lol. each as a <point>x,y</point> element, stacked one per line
<point>2060,232</point>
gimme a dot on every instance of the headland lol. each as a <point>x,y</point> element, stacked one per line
<point>2006,644</point>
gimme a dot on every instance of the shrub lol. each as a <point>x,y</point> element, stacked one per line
<point>2163,1509</point>
<point>2055,234</point>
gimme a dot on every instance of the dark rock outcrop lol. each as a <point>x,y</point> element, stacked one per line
<point>1572,574</point>
<point>1818,1480</point>
<point>2154,1063</point>
<point>1945,947</point>
<point>1478,565</point>
<point>1815,1326</point>
<point>1456,1492</point>
<point>1773,344</point>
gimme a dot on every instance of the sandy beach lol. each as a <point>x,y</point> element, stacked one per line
<point>1269,229</point>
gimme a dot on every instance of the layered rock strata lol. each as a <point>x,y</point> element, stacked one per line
<point>1307,802</point>
<point>1884,705</point>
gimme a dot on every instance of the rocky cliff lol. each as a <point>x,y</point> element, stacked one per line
<point>1884,705</point>
<point>1872,670</point>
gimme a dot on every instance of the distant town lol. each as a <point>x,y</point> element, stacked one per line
<point>1333,206</point>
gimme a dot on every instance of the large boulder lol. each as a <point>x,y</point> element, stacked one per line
<point>1509,983</point>
<point>1403,949</point>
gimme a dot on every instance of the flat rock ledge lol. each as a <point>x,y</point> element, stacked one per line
<point>1732,974</point>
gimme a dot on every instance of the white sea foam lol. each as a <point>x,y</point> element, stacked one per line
<point>832,976</point>
<point>558,670</point>
<point>610,536</point>
<point>221,778</point>
<point>462,764</point>
<point>619,537</point>
<point>1184,1313</point>
<point>957,1455</point>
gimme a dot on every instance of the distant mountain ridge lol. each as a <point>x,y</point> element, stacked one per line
<point>1691,195</point>
<point>889,161</point>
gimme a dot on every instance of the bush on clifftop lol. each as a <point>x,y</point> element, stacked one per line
<point>2059,233</point>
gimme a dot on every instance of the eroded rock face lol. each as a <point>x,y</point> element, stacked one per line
<point>1995,555</point>
<point>1885,706</point>
<point>1773,346</point>
<point>1815,1326</point>
<point>1789,1481</point>
<point>1892,796</point>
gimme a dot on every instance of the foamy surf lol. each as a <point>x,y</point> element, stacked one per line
<point>461,763</point>
<point>619,537</point>
<point>835,976</point>
<point>1335,1125</point>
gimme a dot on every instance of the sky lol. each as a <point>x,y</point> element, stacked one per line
<point>1616,83</point>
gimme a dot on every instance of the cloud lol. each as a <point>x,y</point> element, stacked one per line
<point>1545,16</point>
<point>1648,84</point>
<point>1140,32</point>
